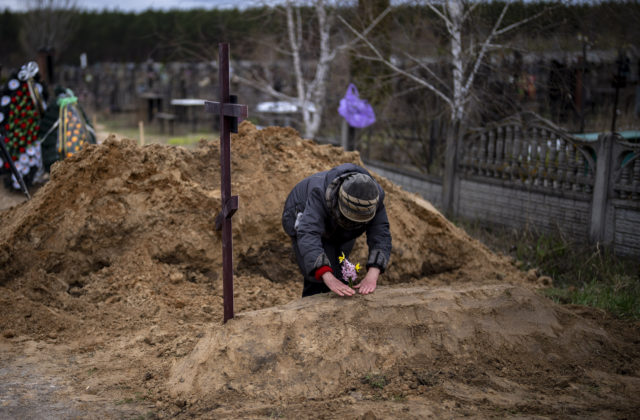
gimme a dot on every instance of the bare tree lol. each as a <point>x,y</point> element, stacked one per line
<point>47,25</point>
<point>310,81</point>
<point>310,93</point>
<point>456,91</point>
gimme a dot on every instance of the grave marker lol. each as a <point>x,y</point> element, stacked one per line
<point>231,113</point>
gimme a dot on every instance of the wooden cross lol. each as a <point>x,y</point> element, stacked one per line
<point>230,115</point>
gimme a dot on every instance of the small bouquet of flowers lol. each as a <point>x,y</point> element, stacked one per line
<point>349,271</point>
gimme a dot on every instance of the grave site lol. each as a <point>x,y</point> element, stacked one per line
<point>111,304</point>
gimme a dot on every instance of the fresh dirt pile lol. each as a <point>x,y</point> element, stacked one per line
<point>492,345</point>
<point>339,341</point>
<point>118,221</point>
<point>116,261</point>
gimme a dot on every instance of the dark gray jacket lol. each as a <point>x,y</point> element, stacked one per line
<point>315,200</point>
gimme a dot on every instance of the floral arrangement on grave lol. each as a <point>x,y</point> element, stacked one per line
<point>21,108</point>
<point>74,130</point>
<point>66,128</point>
<point>349,271</point>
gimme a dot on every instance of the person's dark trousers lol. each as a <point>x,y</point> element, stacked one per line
<point>311,286</point>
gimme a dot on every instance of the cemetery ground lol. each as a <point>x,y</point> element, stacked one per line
<point>111,305</point>
<point>126,125</point>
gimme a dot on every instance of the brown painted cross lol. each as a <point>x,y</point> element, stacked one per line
<point>230,115</point>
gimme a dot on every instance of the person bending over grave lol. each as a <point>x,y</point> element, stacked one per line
<point>323,215</point>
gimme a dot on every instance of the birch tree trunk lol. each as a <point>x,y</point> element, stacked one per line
<point>310,95</point>
<point>454,26</point>
<point>455,11</point>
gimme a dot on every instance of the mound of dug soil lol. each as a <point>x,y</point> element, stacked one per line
<point>499,343</point>
<point>111,274</point>
<point>118,218</point>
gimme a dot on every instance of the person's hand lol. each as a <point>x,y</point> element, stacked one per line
<point>368,284</point>
<point>336,286</point>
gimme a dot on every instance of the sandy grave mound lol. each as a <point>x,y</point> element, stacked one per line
<point>319,348</point>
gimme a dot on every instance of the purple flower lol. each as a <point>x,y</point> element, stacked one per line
<point>349,271</point>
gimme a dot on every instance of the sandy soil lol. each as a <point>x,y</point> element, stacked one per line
<point>110,305</point>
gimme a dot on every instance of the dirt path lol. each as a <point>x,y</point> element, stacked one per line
<point>37,382</point>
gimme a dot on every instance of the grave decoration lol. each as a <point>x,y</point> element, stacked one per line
<point>22,103</point>
<point>65,128</point>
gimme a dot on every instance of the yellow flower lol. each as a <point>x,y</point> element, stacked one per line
<point>357,267</point>
<point>341,258</point>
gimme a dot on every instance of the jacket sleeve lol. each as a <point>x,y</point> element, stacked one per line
<point>379,240</point>
<point>310,230</point>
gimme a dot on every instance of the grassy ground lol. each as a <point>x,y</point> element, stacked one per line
<point>126,126</point>
<point>582,274</point>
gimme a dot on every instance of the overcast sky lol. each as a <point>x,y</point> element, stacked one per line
<point>141,5</point>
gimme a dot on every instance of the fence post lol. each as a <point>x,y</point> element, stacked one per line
<point>347,136</point>
<point>601,188</point>
<point>450,184</point>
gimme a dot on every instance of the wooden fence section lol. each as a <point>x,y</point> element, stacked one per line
<point>523,172</point>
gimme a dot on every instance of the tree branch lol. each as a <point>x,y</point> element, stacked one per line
<point>469,11</point>
<point>483,50</point>
<point>295,49</point>
<point>519,23</point>
<point>366,31</point>
<point>266,88</point>
<point>395,68</point>
<point>439,13</point>
<point>425,67</point>
<point>317,86</point>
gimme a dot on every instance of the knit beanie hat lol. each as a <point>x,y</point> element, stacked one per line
<point>358,198</point>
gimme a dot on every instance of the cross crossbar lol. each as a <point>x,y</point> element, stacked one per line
<point>228,110</point>
<point>228,209</point>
